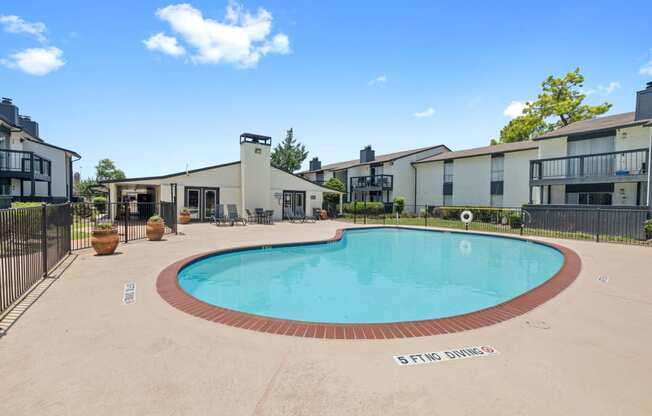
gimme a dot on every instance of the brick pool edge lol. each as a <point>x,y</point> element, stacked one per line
<point>168,288</point>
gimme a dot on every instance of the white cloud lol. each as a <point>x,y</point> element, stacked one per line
<point>514,109</point>
<point>36,61</point>
<point>603,89</point>
<point>425,113</point>
<point>15,24</point>
<point>646,69</point>
<point>166,44</point>
<point>241,39</point>
<point>379,80</point>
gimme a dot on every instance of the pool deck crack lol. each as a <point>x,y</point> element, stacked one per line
<point>270,384</point>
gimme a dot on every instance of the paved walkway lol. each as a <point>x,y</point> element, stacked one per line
<point>79,351</point>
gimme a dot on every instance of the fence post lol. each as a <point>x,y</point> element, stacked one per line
<point>354,212</point>
<point>44,239</point>
<point>365,210</point>
<point>522,221</point>
<point>126,222</point>
<point>597,231</point>
<point>426,217</point>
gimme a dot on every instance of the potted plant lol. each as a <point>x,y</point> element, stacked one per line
<point>184,216</point>
<point>104,238</point>
<point>155,228</point>
<point>648,229</point>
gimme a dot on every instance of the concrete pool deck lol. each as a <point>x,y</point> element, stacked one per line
<point>79,350</point>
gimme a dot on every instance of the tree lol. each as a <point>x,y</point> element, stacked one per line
<point>337,185</point>
<point>289,154</point>
<point>559,104</point>
<point>106,170</point>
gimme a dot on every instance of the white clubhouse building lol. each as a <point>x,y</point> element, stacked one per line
<point>250,183</point>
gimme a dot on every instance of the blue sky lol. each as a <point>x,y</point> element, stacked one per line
<point>343,74</point>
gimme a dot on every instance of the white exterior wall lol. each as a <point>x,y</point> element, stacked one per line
<point>630,138</point>
<point>430,183</point>
<point>283,181</point>
<point>472,181</point>
<point>255,176</point>
<point>404,174</point>
<point>516,180</point>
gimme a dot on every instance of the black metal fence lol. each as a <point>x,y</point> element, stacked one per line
<point>609,224</point>
<point>33,240</point>
<point>130,218</point>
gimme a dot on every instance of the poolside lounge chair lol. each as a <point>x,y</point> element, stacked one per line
<point>289,215</point>
<point>234,217</point>
<point>302,215</point>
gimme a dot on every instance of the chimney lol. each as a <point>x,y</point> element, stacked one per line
<point>29,125</point>
<point>9,111</point>
<point>315,164</point>
<point>367,154</point>
<point>644,103</point>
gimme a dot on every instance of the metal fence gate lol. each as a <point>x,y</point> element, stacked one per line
<point>33,240</point>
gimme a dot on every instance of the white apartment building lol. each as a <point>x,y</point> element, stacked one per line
<point>491,176</point>
<point>604,161</point>
<point>30,168</point>
<point>375,178</point>
<point>250,183</point>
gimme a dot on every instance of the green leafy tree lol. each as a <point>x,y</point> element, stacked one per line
<point>106,170</point>
<point>289,154</point>
<point>560,103</point>
<point>335,184</point>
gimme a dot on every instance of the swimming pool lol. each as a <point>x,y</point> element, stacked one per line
<point>372,276</point>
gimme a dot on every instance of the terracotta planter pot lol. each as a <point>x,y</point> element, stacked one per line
<point>323,214</point>
<point>105,241</point>
<point>184,218</point>
<point>155,230</point>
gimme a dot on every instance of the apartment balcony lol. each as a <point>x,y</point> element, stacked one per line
<point>623,166</point>
<point>24,165</point>
<point>372,183</point>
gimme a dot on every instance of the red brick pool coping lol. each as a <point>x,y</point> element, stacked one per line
<point>168,288</point>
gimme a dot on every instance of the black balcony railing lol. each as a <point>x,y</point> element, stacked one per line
<point>615,165</point>
<point>21,164</point>
<point>374,182</point>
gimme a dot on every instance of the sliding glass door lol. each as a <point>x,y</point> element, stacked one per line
<point>202,202</point>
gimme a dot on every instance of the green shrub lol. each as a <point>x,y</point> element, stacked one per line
<point>399,204</point>
<point>99,202</point>
<point>648,227</point>
<point>185,211</point>
<point>25,204</point>
<point>155,218</point>
<point>515,221</point>
<point>362,208</point>
<point>104,226</point>
<point>82,210</point>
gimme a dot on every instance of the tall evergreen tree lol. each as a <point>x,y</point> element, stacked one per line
<point>289,154</point>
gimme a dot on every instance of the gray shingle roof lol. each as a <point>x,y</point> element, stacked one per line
<point>481,151</point>
<point>595,125</point>
<point>379,159</point>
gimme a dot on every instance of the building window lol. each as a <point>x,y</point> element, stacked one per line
<point>448,172</point>
<point>5,186</point>
<point>590,194</point>
<point>497,168</point>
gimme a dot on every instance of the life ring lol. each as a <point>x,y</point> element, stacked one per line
<point>466,216</point>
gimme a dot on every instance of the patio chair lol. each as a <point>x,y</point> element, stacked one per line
<point>219,218</point>
<point>288,214</point>
<point>301,214</point>
<point>234,217</point>
<point>269,216</point>
<point>250,217</point>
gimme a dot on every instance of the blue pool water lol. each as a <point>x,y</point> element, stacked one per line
<point>373,275</point>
